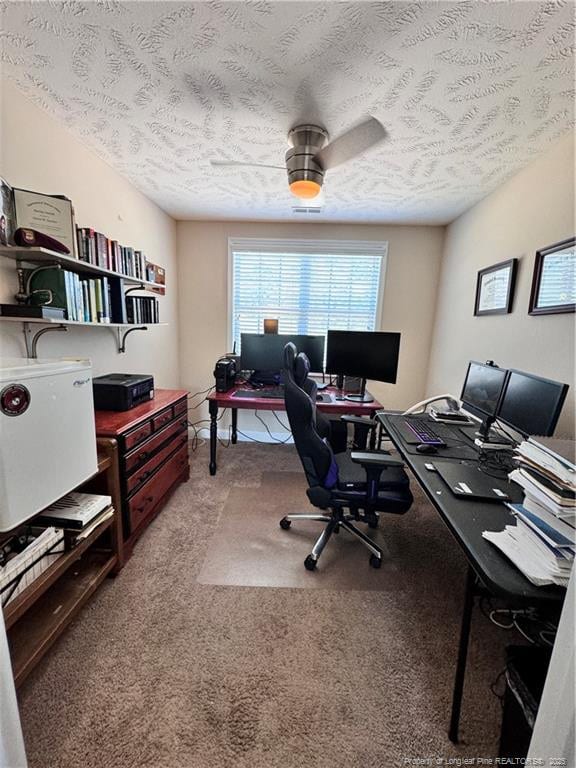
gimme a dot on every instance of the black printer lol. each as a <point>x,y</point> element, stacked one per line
<point>121,391</point>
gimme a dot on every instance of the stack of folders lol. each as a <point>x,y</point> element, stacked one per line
<point>543,542</point>
<point>78,513</point>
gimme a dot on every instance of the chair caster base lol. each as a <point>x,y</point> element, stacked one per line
<point>310,563</point>
<point>285,523</point>
<point>375,561</point>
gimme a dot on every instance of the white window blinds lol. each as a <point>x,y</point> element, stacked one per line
<point>309,286</point>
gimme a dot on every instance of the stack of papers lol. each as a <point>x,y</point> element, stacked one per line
<point>542,544</point>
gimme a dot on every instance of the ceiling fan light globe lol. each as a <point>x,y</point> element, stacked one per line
<point>305,189</point>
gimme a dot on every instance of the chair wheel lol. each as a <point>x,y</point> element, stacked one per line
<point>310,563</point>
<point>375,561</point>
<point>285,523</point>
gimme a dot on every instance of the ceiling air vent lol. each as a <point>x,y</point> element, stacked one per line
<point>305,209</point>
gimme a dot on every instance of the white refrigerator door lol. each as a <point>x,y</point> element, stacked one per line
<point>49,449</point>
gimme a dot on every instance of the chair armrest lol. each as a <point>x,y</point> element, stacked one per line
<point>375,458</point>
<point>371,423</point>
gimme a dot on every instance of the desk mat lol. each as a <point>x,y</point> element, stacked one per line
<point>248,547</point>
<point>460,446</point>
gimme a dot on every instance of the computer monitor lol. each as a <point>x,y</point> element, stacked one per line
<point>532,405</point>
<point>265,351</point>
<point>367,354</point>
<point>482,392</point>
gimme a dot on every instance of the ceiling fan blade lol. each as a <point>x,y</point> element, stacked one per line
<point>238,163</point>
<point>351,144</point>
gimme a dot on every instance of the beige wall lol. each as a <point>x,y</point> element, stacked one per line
<point>532,210</point>
<point>37,152</point>
<point>409,295</point>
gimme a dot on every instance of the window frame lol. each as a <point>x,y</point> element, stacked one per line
<point>283,245</point>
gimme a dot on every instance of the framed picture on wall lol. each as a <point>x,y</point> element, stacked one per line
<point>554,280</point>
<point>495,288</point>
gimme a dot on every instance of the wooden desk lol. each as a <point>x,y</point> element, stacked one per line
<point>489,572</point>
<point>216,400</point>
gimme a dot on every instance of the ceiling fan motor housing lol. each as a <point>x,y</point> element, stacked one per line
<point>306,141</point>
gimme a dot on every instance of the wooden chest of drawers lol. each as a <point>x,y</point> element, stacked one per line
<point>153,456</point>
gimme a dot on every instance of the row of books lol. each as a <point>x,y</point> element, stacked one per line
<point>142,309</point>
<point>95,248</point>
<point>91,299</point>
<point>542,544</point>
<point>88,300</point>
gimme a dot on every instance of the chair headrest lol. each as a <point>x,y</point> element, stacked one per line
<point>301,368</point>
<point>290,352</point>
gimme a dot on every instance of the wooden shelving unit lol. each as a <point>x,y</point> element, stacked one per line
<point>38,616</point>
<point>51,613</point>
<point>43,256</point>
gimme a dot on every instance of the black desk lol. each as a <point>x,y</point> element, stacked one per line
<point>489,571</point>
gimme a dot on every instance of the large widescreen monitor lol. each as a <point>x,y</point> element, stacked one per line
<point>265,351</point>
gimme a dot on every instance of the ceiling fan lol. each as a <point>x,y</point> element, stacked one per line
<point>311,155</point>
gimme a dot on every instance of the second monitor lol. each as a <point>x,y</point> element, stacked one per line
<point>264,352</point>
<point>366,354</point>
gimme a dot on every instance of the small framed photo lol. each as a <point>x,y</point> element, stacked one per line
<point>495,288</point>
<point>554,280</point>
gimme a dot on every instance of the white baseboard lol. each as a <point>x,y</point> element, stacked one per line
<point>248,436</point>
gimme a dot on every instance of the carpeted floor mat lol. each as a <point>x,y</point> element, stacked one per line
<point>159,671</point>
<point>250,549</point>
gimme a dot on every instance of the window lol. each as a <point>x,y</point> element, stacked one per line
<point>309,285</point>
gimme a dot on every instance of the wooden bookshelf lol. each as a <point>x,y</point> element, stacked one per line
<point>40,613</point>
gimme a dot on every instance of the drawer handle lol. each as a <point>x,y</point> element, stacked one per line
<point>147,500</point>
<point>143,455</point>
<point>144,475</point>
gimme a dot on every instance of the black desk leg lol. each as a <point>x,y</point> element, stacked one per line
<point>372,439</point>
<point>462,656</point>
<point>234,426</point>
<point>213,410</point>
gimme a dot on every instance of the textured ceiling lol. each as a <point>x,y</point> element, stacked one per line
<point>469,93</point>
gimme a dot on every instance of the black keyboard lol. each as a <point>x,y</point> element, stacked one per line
<point>415,431</point>
<point>272,393</point>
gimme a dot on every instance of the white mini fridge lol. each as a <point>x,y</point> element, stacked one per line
<point>47,434</point>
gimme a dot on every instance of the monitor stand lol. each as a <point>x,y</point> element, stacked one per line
<point>362,396</point>
<point>487,442</point>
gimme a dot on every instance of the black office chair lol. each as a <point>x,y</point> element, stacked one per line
<point>338,482</point>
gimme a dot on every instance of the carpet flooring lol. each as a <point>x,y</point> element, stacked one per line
<point>161,671</point>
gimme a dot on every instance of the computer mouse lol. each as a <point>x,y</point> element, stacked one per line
<point>426,448</point>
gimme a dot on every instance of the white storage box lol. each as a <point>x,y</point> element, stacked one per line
<point>47,434</point>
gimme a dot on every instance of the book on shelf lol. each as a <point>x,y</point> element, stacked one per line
<point>75,510</point>
<point>27,311</point>
<point>142,309</point>
<point>83,299</point>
